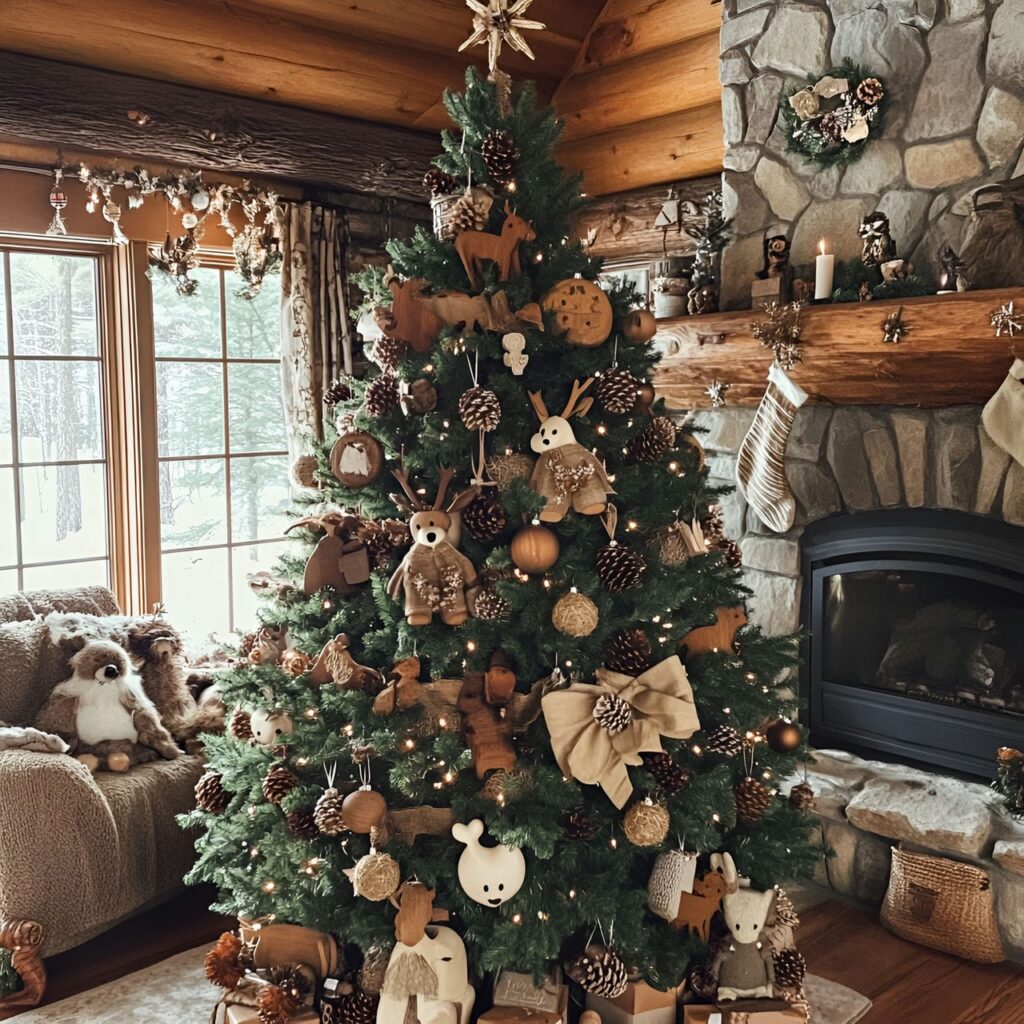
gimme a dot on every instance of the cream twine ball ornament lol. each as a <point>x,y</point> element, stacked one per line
<point>575,614</point>
<point>646,823</point>
<point>376,876</point>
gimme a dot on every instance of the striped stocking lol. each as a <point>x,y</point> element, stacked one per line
<point>760,466</point>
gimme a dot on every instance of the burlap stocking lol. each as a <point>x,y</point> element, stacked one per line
<point>760,466</point>
<point>1003,416</point>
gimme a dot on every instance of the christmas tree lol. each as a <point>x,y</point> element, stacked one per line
<point>548,673</point>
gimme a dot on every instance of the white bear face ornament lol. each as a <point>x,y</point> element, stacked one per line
<point>488,874</point>
<point>271,726</point>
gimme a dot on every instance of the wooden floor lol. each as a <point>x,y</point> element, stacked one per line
<point>907,983</point>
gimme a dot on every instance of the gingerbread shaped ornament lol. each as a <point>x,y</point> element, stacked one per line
<point>582,310</point>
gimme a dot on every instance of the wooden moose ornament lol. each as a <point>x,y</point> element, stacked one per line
<point>567,475</point>
<point>718,637</point>
<point>474,247</point>
<point>340,559</point>
<point>409,319</point>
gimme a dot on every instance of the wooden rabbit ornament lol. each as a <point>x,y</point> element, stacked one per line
<point>567,474</point>
<point>474,247</point>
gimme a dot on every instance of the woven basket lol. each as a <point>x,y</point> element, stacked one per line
<point>942,904</point>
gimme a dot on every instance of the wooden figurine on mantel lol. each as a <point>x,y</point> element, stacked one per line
<point>774,280</point>
<point>476,247</point>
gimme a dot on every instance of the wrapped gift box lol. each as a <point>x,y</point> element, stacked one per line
<point>228,1013</point>
<point>639,1004</point>
<point>517,1000</point>
<point>750,1011</point>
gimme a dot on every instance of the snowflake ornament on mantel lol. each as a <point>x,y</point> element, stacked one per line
<point>498,22</point>
<point>781,332</point>
<point>1007,320</point>
<point>716,392</point>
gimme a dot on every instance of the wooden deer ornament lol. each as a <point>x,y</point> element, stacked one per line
<point>567,474</point>
<point>474,247</point>
<point>720,636</point>
<point>697,908</point>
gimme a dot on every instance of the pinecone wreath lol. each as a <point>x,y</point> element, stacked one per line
<point>628,651</point>
<point>339,390</point>
<point>492,607</point>
<point>484,518</point>
<point>480,409</point>
<point>240,725</point>
<point>278,783</point>
<point>600,970</point>
<point>211,796</point>
<point>439,183</point>
<point>303,824</point>
<point>655,441</point>
<point>500,156</point>
<point>611,712</point>
<point>327,813</point>
<point>724,740</point>
<point>617,390</point>
<point>381,395</point>
<point>790,968</point>
<point>579,827</point>
<point>753,798</point>
<point>620,568</point>
<point>672,777</point>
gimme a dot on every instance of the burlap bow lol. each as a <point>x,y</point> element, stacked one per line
<point>660,703</point>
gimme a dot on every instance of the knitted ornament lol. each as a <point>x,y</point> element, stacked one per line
<point>801,797</point>
<point>600,970</point>
<point>492,607</point>
<point>296,663</point>
<point>240,725</point>
<point>620,568</point>
<point>439,183</point>
<point>221,962</point>
<point>480,409</point>
<point>611,712</point>
<point>628,652</point>
<point>211,796</point>
<point>578,826</point>
<point>670,776</point>
<point>617,390</point>
<point>753,798</point>
<point>388,353</point>
<point>339,390</point>
<point>500,156</point>
<point>646,823</point>
<point>381,395</point>
<point>278,783</point>
<point>375,965</point>
<point>303,824</point>
<point>724,740</point>
<point>327,813</point>
<point>484,518</point>
<point>655,441</point>
<point>790,968</point>
<point>507,468</point>
<point>870,92</point>
<point>304,471</point>
<point>575,614</point>
<point>672,875</point>
<point>376,876</point>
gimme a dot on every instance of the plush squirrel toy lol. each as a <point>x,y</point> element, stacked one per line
<point>104,713</point>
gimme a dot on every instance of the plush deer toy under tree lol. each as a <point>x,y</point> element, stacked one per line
<point>434,575</point>
<point>567,474</point>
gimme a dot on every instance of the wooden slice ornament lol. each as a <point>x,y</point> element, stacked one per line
<point>582,311</point>
<point>357,459</point>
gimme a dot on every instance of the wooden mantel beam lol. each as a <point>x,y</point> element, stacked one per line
<point>63,105</point>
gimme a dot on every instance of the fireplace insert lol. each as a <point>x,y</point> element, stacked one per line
<point>915,636</point>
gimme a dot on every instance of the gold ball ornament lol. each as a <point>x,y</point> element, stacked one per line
<point>582,311</point>
<point>783,736</point>
<point>376,876</point>
<point>534,548</point>
<point>575,614</point>
<point>646,823</point>
<point>362,810</point>
<point>639,326</point>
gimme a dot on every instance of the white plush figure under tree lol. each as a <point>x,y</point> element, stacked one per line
<point>488,874</point>
<point>744,967</point>
<point>104,713</point>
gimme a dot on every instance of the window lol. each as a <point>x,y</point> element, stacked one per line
<point>222,449</point>
<point>53,458</point>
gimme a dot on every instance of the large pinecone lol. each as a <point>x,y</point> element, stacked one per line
<point>790,968</point>
<point>655,441</point>
<point>672,777</point>
<point>801,796</point>
<point>278,783</point>
<point>480,409</point>
<point>381,395</point>
<point>240,725</point>
<point>500,156</point>
<point>211,796</point>
<point>339,390</point>
<point>492,607</point>
<point>753,798</point>
<point>628,651</point>
<point>611,712</point>
<point>620,568</point>
<point>579,827</point>
<point>388,353</point>
<point>303,824</point>
<point>327,813</point>
<point>439,183</point>
<point>732,551</point>
<point>724,740</point>
<point>617,390</point>
<point>484,518</point>
<point>465,215</point>
<point>600,970</point>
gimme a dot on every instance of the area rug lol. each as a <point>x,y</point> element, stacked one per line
<point>176,991</point>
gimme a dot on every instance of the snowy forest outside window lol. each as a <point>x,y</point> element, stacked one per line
<point>223,466</point>
<point>53,466</point>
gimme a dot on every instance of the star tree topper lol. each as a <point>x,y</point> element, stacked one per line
<point>498,22</point>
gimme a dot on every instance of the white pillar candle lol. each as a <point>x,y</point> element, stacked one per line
<point>824,269</point>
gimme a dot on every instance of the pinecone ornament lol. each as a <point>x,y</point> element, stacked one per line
<point>246,645</point>
<point>724,740</point>
<point>672,777</point>
<point>339,390</point>
<point>358,1008</point>
<point>629,652</point>
<point>654,442</point>
<point>492,607</point>
<point>484,518</point>
<point>439,183</point>
<point>870,92</point>
<point>579,827</point>
<point>211,796</point>
<point>801,797</point>
<point>620,568</point>
<point>713,524</point>
<point>617,390</point>
<point>303,824</point>
<point>327,813</point>
<point>611,712</point>
<point>465,215</point>
<point>381,395</point>
<point>790,968</point>
<point>500,156</point>
<point>240,725</point>
<point>388,353</point>
<point>600,970</point>
<point>831,127</point>
<point>732,552</point>
<point>480,409</point>
<point>278,783</point>
<point>753,798</point>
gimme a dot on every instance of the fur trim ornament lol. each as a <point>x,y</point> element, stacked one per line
<point>629,652</point>
<point>211,796</point>
<point>600,970</point>
<point>278,783</point>
<point>221,962</point>
<point>646,823</point>
<point>375,876</point>
<point>575,614</point>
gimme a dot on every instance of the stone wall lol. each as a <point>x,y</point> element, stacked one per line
<point>955,75</point>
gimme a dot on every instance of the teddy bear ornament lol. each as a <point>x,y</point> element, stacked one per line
<point>491,875</point>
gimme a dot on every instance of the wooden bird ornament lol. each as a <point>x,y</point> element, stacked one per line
<point>335,664</point>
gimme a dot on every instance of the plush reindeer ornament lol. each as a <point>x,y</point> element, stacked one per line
<point>567,474</point>
<point>434,575</point>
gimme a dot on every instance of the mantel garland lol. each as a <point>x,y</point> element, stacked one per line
<point>256,244</point>
<point>830,120</point>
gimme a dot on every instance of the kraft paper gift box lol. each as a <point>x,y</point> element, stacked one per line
<point>517,1000</point>
<point>750,1011</point>
<point>639,1004</point>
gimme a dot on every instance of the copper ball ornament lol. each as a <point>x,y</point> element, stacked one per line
<point>534,549</point>
<point>783,736</point>
<point>639,326</point>
<point>362,810</point>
